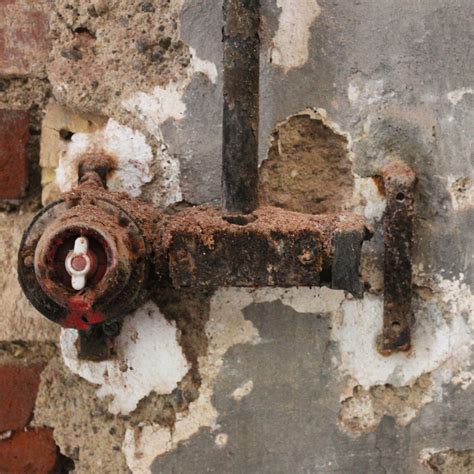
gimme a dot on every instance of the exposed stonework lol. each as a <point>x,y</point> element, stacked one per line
<point>103,51</point>
<point>81,422</point>
<point>19,321</point>
<point>59,126</point>
<point>448,460</point>
<point>308,167</point>
<point>364,410</point>
<point>269,372</point>
<point>128,384</point>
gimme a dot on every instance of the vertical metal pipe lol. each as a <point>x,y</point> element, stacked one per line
<point>240,122</point>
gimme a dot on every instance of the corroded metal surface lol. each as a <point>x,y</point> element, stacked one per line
<point>399,185</point>
<point>116,286</point>
<point>270,247</point>
<point>199,247</point>
<point>240,118</point>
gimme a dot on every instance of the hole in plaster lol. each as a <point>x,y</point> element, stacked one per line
<point>308,167</point>
<point>81,30</point>
<point>66,134</point>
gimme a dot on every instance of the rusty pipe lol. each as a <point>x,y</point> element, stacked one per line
<point>240,117</point>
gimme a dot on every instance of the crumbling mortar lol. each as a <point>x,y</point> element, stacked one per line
<point>27,93</point>
<point>363,411</point>
<point>87,37</point>
<point>189,312</point>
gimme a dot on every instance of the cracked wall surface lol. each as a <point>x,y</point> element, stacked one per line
<point>255,380</point>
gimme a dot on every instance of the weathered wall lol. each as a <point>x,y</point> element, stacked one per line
<point>239,380</point>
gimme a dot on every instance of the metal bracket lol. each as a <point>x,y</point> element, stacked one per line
<point>399,183</point>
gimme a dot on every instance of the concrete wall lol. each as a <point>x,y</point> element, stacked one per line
<point>251,380</point>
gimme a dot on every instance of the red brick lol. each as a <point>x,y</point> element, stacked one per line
<point>29,452</point>
<point>23,37</point>
<point>18,389</point>
<point>13,157</point>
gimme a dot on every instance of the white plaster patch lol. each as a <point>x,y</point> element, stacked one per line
<point>225,328</point>
<point>164,103</point>
<point>461,190</point>
<point>457,299</point>
<point>367,92</point>
<point>436,343</point>
<point>367,199</point>
<point>149,359</point>
<point>221,440</point>
<point>242,391</point>
<point>161,104</point>
<point>457,95</point>
<point>129,147</point>
<point>290,43</point>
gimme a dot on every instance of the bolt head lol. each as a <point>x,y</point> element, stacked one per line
<point>79,262</point>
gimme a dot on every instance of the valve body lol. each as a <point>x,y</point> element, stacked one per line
<point>83,260</point>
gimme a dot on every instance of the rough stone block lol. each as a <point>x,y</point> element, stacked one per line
<point>59,125</point>
<point>13,158</point>
<point>23,37</point>
<point>32,452</point>
<point>18,389</point>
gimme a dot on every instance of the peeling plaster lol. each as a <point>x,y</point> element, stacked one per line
<point>149,359</point>
<point>225,328</point>
<point>166,103</point>
<point>447,460</point>
<point>442,342</point>
<point>461,191</point>
<point>363,410</point>
<point>221,440</point>
<point>128,146</point>
<point>464,379</point>
<point>457,95</point>
<point>290,47</point>
<point>242,391</point>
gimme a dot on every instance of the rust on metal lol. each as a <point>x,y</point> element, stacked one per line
<point>97,343</point>
<point>199,247</point>
<point>398,223</point>
<point>131,246</point>
<point>240,116</point>
<point>118,252</point>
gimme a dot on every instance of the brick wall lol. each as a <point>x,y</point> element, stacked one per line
<point>24,449</point>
